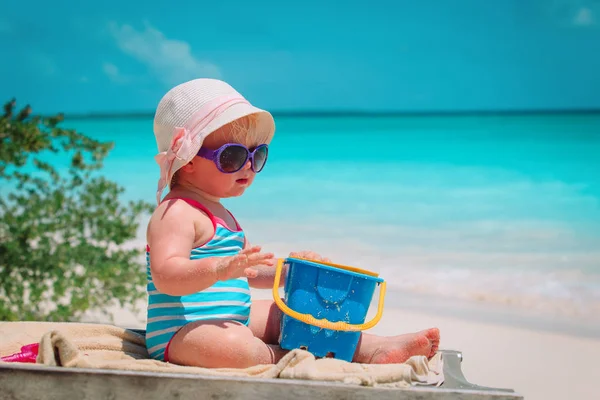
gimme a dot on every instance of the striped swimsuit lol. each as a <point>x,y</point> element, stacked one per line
<point>225,300</point>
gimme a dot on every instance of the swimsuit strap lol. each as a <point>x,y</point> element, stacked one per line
<point>199,206</point>
<point>237,225</point>
<point>196,204</point>
<point>214,219</point>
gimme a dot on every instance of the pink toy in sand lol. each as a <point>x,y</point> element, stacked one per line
<point>28,354</point>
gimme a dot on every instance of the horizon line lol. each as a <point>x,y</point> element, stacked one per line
<point>356,113</point>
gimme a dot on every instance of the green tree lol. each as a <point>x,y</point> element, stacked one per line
<point>62,230</point>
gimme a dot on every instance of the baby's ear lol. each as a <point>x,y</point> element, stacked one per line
<point>189,167</point>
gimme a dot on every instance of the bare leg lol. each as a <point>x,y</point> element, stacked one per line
<point>265,321</point>
<point>220,344</point>
<point>228,344</point>
<point>265,324</point>
<point>373,349</point>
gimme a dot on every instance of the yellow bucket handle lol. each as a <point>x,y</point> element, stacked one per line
<point>324,323</point>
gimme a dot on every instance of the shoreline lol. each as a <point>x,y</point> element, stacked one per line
<point>492,313</point>
<point>416,303</point>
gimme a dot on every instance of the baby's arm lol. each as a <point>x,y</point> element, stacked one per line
<point>266,274</point>
<point>171,236</point>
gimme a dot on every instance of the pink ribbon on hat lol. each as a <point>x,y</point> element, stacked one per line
<point>180,144</point>
<point>184,139</point>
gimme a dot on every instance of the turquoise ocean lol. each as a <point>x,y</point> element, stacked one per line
<point>488,212</point>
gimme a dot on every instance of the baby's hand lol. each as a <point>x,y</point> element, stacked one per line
<point>242,263</point>
<point>311,255</point>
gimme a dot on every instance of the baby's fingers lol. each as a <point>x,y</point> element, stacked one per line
<point>250,273</point>
<point>261,259</point>
<point>311,255</point>
<point>251,250</point>
<point>268,262</point>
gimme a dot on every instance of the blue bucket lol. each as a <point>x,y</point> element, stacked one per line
<point>325,306</point>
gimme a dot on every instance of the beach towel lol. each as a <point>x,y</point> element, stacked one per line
<point>84,345</point>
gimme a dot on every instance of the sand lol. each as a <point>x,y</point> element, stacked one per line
<point>536,363</point>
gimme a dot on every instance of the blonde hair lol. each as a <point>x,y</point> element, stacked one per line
<point>243,130</point>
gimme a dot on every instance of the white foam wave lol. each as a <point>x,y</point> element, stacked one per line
<point>539,266</point>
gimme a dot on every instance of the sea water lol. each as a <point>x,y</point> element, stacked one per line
<point>502,211</point>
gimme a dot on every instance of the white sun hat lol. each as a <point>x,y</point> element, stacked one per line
<point>188,113</point>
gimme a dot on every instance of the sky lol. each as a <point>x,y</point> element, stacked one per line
<point>395,55</point>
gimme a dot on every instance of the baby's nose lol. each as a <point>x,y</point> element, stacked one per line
<point>247,165</point>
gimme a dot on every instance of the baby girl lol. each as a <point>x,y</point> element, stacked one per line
<point>200,264</point>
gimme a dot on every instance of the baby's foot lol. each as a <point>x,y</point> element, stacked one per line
<point>398,349</point>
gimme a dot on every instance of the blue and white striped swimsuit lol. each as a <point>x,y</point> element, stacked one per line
<point>225,300</point>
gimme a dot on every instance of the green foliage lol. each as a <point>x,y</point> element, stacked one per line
<point>62,230</point>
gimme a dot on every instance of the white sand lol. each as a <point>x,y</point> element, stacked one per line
<point>537,364</point>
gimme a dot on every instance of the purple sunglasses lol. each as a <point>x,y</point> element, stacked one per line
<point>232,157</point>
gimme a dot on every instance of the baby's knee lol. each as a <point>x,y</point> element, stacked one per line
<point>218,346</point>
<point>239,348</point>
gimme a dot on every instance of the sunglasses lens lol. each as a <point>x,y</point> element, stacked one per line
<point>260,158</point>
<point>233,158</point>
